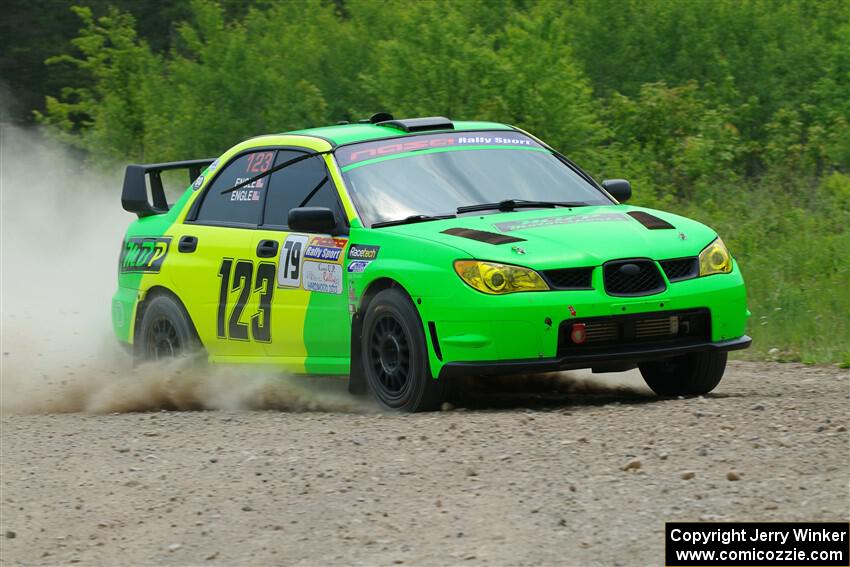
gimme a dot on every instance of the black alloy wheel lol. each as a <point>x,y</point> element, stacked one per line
<point>390,354</point>
<point>691,374</point>
<point>162,340</point>
<point>395,355</point>
<point>165,331</point>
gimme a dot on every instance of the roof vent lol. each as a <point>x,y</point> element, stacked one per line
<point>419,124</point>
<point>380,117</point>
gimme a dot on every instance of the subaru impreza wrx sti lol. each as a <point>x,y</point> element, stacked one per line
<point>403,253</point>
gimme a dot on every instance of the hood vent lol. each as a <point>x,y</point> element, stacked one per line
<point>482,236</point>
<point>650,221</point>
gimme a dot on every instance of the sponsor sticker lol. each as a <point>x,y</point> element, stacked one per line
<point>212,167</point>
<point>358,266</point>
<point>363,252</point>
<point>144,254</point>
<point>563,219</point>
<point>322,277</point>
<point>355,153</point>
<point>326,249</point>
<point>323,253</point>
<point>198,182</point>
<point>329,241</point>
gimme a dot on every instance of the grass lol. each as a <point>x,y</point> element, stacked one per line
<point>793,245</point>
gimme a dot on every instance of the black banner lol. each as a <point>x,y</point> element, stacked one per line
<point>144,254</point>
<point>814,544</point>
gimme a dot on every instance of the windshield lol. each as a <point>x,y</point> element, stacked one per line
<point>434,174</point>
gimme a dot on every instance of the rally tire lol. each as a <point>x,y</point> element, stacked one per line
<point>395,355</point>
<point>687,375</point>
<point>165,331</point>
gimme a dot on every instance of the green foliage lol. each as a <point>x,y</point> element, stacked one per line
<point>732,111</point>
<point>108,113</point>
<point>791,240</point>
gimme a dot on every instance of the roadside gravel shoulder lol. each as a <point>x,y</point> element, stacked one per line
<point>583,477</point>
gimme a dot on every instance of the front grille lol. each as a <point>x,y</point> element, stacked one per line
<point>644,329</point>
<point>632,278</point>
<point>680,268</point>
<point>569,278</point>
<point>601,331</point>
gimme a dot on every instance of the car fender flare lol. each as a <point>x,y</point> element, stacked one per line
<point>356,378</point>
<point>155,291</point>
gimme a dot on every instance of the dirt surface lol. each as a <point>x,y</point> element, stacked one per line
<point>584,475</point>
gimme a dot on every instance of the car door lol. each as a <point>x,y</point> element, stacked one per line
<point>310,324</point>
<point>226,291</point>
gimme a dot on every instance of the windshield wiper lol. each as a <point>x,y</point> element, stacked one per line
<point>513,204</point>
<point>411,220</point>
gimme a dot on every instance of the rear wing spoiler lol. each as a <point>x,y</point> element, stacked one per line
<point>134,195</point>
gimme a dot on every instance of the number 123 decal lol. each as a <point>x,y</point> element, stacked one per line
<point>237,276</point>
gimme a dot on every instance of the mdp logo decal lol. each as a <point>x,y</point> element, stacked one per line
<point>144,254</point>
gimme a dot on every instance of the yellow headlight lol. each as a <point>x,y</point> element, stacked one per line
<point>493,278</point>
<point>715,259</point>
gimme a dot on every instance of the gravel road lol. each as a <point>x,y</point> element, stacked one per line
<point>584,475</point>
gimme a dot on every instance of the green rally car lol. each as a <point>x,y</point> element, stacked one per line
<point>402,253</point>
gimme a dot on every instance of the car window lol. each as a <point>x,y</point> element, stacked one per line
<point>434,174</point>
<point>243,205</point>
<point>303,184</point>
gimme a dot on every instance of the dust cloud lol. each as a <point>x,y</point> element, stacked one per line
<point>61,228</point>
<point>576,387</point>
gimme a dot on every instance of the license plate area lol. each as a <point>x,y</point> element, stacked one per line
<point>650,329</point>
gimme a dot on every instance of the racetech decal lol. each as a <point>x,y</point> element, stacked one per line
<point>563,219</point>
<point>144,254</point>
<point>363,252</point>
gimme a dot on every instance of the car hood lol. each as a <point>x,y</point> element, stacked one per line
<point>582,236</point>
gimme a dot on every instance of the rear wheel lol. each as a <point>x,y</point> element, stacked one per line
<point>165,331</point>
<point>395,355</point>
<point>687,375</point>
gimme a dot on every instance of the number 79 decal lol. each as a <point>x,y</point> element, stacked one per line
<point>289,271</point>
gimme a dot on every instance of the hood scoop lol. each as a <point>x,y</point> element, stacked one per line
<point>483,235</point>
<point>650,221</point>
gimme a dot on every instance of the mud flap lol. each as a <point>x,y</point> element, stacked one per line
<point>356,378</point>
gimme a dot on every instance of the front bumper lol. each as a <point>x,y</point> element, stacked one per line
<point>472,329</point>
<point>622,356</point>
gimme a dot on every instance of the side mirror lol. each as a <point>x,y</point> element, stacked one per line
<point>620,189</point>
<point>312,219</point>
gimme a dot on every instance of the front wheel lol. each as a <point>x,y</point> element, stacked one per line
<point>165,331</point>
<point>395,355</point>
<point>687,375</point>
